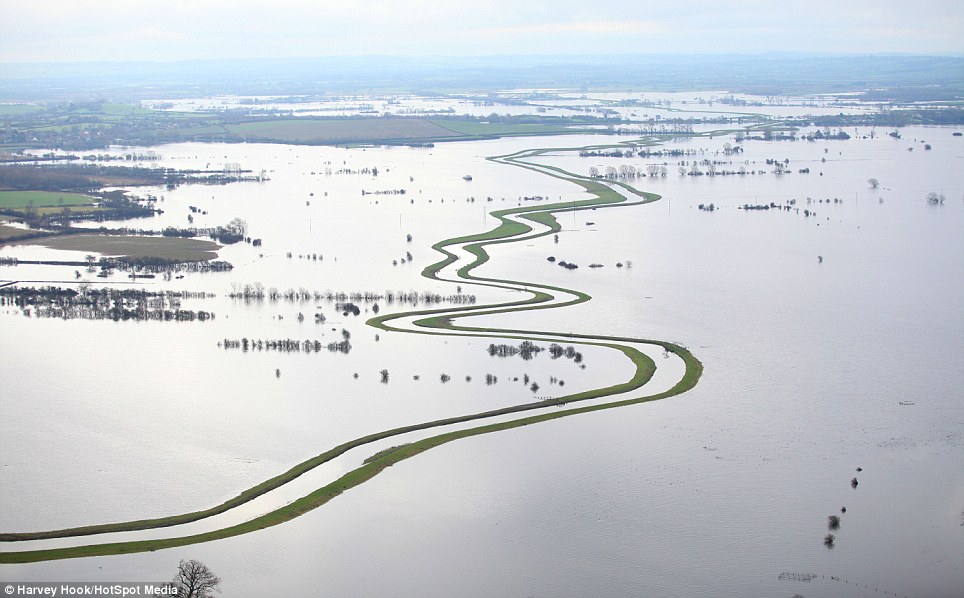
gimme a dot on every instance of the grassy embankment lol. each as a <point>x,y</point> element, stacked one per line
<point>508,230</point>
<point>353,478</point>
<point>644,372</point>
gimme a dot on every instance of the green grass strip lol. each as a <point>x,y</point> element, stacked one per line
<point>440,319</point>
<point>351,479</point>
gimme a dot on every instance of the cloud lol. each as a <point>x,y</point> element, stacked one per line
<point>629,27</point>
<point>68,30</point>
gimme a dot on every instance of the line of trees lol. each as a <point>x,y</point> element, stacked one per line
<point>101,304</point>
<point>256,291</point>
<point>285,345</point>
<point>527,350</point>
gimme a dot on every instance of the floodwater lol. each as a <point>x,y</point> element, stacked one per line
<point>812,369</point>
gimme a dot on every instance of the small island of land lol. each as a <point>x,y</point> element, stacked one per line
<point>133,247</point>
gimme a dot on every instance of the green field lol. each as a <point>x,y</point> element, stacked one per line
<point>19,109</point>
<point>173,249</point>
<point>483,129</point>
<point>340,131</point>
<point>65,128</point>
<point>53,125</point>
<point>373,130</point>
<point>76,211</point>
<point>115,109</point>
<point>13,200</point>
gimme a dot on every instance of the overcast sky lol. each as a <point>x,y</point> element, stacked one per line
<point>164,30</point>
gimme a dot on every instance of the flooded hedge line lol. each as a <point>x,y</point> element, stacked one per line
<point>103,304</point>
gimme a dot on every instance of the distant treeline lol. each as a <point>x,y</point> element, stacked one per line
<point>893,118</point>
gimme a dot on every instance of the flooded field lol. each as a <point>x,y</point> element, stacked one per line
<point>829,327</point>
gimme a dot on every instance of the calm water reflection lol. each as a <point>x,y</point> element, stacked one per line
<point>715,492</point>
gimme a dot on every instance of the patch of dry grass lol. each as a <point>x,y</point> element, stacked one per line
<point>166,248</point>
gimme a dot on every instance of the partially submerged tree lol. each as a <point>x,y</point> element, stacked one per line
<point>194,580</point>
<point>237,226</point>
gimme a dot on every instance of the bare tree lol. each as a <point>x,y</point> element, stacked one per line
<point>873,182</point>
<point>238,226</point>
<point>194,580</point>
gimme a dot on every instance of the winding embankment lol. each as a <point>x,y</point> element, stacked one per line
<point>515,225</point>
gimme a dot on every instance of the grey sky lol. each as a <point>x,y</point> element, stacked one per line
<point>162,30</point>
